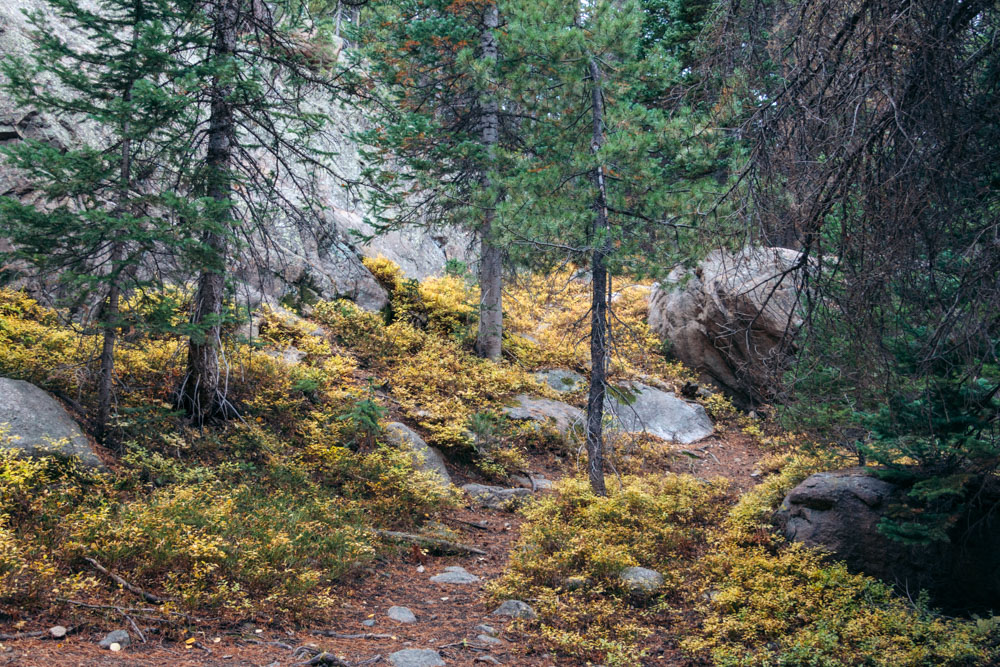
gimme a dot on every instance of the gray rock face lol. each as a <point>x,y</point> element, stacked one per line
<point>425,457</point>
<point>515,609</point>
<point>120,637</point>
<point>39,425</point>
<point>839,512</point>
<point>562,380</point>
<point>453,574</point>
<point>401,615</point>
<point>637,407</point>
<point>496,497</point>
<point>728,317</point>
<point>416,657</point>
<point>563,417</point>
<point>300,264</point>
<point>641,580</point>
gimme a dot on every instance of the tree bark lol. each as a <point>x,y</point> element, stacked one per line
<point>599,298</point>
<point>112,307</point>
<point>490,334</point>
<point>110,334</point>
<point>202,394</point>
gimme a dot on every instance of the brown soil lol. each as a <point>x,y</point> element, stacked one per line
<point>446,614</point>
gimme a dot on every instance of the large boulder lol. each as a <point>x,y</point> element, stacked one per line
<point>37,425</point>
<point>424,457</point>
<point>730,318</point>
<point>840,511</point>
<point>637,408</point>
<point>563,417</point>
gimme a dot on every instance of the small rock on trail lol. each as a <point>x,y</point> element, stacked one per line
<point>402,615</point>
<point>496,497</point>
<point>416,657</point>
<point>120,637</point>
<point>454,574</point>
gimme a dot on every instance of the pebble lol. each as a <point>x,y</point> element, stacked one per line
<point>120,637</point>
<point>402,615</point>
<point>368,622</point>
<point>455,575</point>
<point>486,639</point>
<point>58,631</point>
<point>486,629</point>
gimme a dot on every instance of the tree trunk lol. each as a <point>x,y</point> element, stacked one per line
<point>110,326</point>
<point>599,299</point>
<point>202,394</point>
<point>490,334</point>
<point>112,308</point>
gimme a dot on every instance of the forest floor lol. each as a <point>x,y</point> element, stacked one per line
<point>447,615</point>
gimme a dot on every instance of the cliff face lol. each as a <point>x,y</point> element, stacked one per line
<point>320,259</point>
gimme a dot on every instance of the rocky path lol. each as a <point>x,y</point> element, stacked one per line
<point>412,611</point>
<point>407,609</point>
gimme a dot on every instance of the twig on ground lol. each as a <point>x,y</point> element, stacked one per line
<point>474,524</point>
<point>283,645</point>
<point>148,597</point>
<point>32,634</point>
<point>431,542</point>
<point>132,622</point>
<point>134,610</point>
<point>339,635</point>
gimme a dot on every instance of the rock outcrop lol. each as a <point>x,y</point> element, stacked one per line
<point>298,263</point>
<point>496,497</point>
<point>636,408</point>
<point>561,380</point>
<point>840,512</point>
<point>730,318</point>
<point>424,457</point>
<point>563,417</point>
<point>35,424</point>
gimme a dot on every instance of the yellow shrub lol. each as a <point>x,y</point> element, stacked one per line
<point>548,326</point>
<point>450,304</point>
<point>768,603</point>
<point>655,521</point>
<point>792,608</point>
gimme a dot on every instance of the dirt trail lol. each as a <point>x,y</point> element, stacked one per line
<point>447,615</point>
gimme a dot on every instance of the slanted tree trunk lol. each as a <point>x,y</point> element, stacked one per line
<point>202,394</point>
<point>599,298</point>
<point>490,334</point>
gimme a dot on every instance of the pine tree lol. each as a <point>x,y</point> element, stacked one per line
<point>436,72</point>
<point>258,80</point>
<point>594,177</point>
<point>99,213</point>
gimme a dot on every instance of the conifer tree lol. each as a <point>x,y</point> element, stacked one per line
<point>97,212</point>
<point>257,82</point>
<point>594,177</point>
<point>439,118</point>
